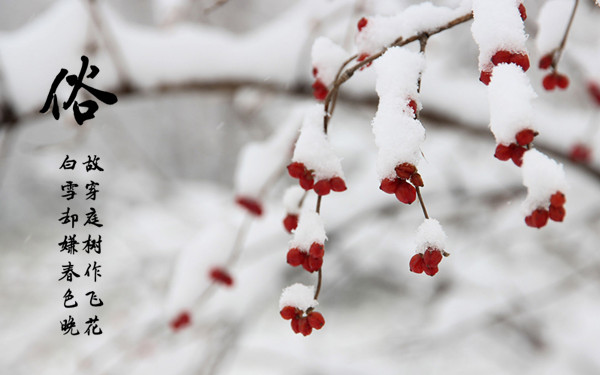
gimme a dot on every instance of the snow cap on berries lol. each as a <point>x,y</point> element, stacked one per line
<point>327,58</point>
<point>382,31</point>
<point>298,295</point>
<point>291,199</point>
<point>258,161</point>
<point>398,135</point>
<point>497,25</point>
<point>543,177</point>
<point>310,229</point>
<point>510,95</point>
<point>313,148</point>
<point>552,24</point>
<point>430,235</point>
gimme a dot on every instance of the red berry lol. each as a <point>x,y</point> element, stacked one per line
<point>521,59</point>
<point>522,11</point>
<point>220,275</point>
<point>320,91</point>
<point>558,199</point>
<point>295,323</point>
<point>581,153</point>
<point>557,213</point>
<point>562,81</point>
<point>295,257</point>
<point>538,218</point>
<point>322,187</point>
<point>362,23</point>
<point>288,312</point>
<point>406,193</point>
<point>503,152</point>
<point>413,105</point>
<point>290,222</point>
<point>362,57</point>
<point>337,184</point>
<point>315,320</point>
<point>594,91</point>
<point>525,137</point>
<point>416,180</point>
<point>304,327</point>
<point>253,206</point>
<point>315,71</point>
<point>296,169</point>
<point>546,61</point>
<point>306,181</point>
<point>431,270</point>
<point>181,321</point>
<point>501,57</point>
<point>405,170</point>
<point>517,155</point>
<point>417,264</point>
<point>485,77</point>
<point>550,81</point>
<point>314,264</point>
<point>388,185</point>
<point>316,250</point>
<point>432,258</point>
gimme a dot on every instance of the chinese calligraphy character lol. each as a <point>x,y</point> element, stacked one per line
<point>92,218</point>
<point>92,326</point>
<point>66,219</point>
<point>69,296</point>
<point>67,326</point>
<point>68,272</point>
<point>92,245</point>
<point>94,298</point>
<point>69,189</point>
<point>68,163</point>
<point>91,187</point>
<point>77,83</point>
<point>68,244</point>
<point>92,164</point>
<point>95,268</point>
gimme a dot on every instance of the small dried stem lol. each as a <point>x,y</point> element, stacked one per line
<point>421,202</point>
<point>558,51</point>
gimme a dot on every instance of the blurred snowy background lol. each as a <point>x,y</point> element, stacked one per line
<point>194,87</point>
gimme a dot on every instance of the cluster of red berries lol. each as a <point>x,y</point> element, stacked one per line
<point>581,153</point>
<point>556,212</point>
<point>181,321</point>
<point>251,205</point>
<point>219,275</point>
<point>320,91</point>
<point>554,79</point>
<point>505,57</point>
<point>594,91</point>
<point>404,191</point>
<point>427,262</point>
<point>307,182</point>
<point>300,323</point>
<point>515,151</point>
<point>310,261</point>
<point>290,222</point>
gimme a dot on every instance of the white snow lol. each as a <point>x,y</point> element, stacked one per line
<point>543,177</point>
<point>299,296</point>
<point>291,199</point>
<point>313,148</point>
<point>497,25</point>
<point>327,57</point>
<point>382,31</point>
<point>398,135</point>
<point>430,234</point>
<point>510,95</point>
<point>310,229</point>
<point>552,23</point>
<point>259,161</point>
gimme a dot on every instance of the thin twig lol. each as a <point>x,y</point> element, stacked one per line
<point>558,52</point>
